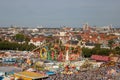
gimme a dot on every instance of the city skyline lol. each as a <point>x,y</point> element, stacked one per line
<point>56,13</point>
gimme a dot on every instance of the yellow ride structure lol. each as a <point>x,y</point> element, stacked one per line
<point>43,55</point>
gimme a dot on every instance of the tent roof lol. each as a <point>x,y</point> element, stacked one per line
<point>32,75</point>
<point>100,58</point>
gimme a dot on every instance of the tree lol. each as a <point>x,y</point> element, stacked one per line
<point>86,52</point>
<point>0,39</point>
<point>110,43</point>
<point>100,51</point>
<point>104,51</point>
<point>4,45</point>
<point>97,46</point>
<point>117,50</point>
<point>21,37</point>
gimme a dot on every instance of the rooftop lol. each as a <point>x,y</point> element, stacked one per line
<point>32,75</point>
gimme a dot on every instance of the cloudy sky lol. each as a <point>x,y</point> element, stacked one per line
<point>56,13</point>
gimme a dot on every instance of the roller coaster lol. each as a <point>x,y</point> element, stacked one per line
<point>51,53</point>
<point>45,53</point>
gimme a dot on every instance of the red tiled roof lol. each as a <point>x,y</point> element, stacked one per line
<point>94,37</point>
<point>37,39</point>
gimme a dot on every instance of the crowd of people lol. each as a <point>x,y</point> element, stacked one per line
<point>101,73</point>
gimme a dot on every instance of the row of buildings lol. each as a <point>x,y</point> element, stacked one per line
<point>86,36</point>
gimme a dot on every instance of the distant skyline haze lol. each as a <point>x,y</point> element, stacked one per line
<point>56,13</point>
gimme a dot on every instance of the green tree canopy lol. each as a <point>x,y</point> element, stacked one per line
<point>117,50</point>
<point>4,45</point>
<point>110,43</point>
<point>21,37</point>
<point>86,52</point>
<point>0,39</point>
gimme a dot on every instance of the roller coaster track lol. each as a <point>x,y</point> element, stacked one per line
<point>42,45</point>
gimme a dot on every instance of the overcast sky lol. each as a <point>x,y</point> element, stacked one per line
<point>56,13</point>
